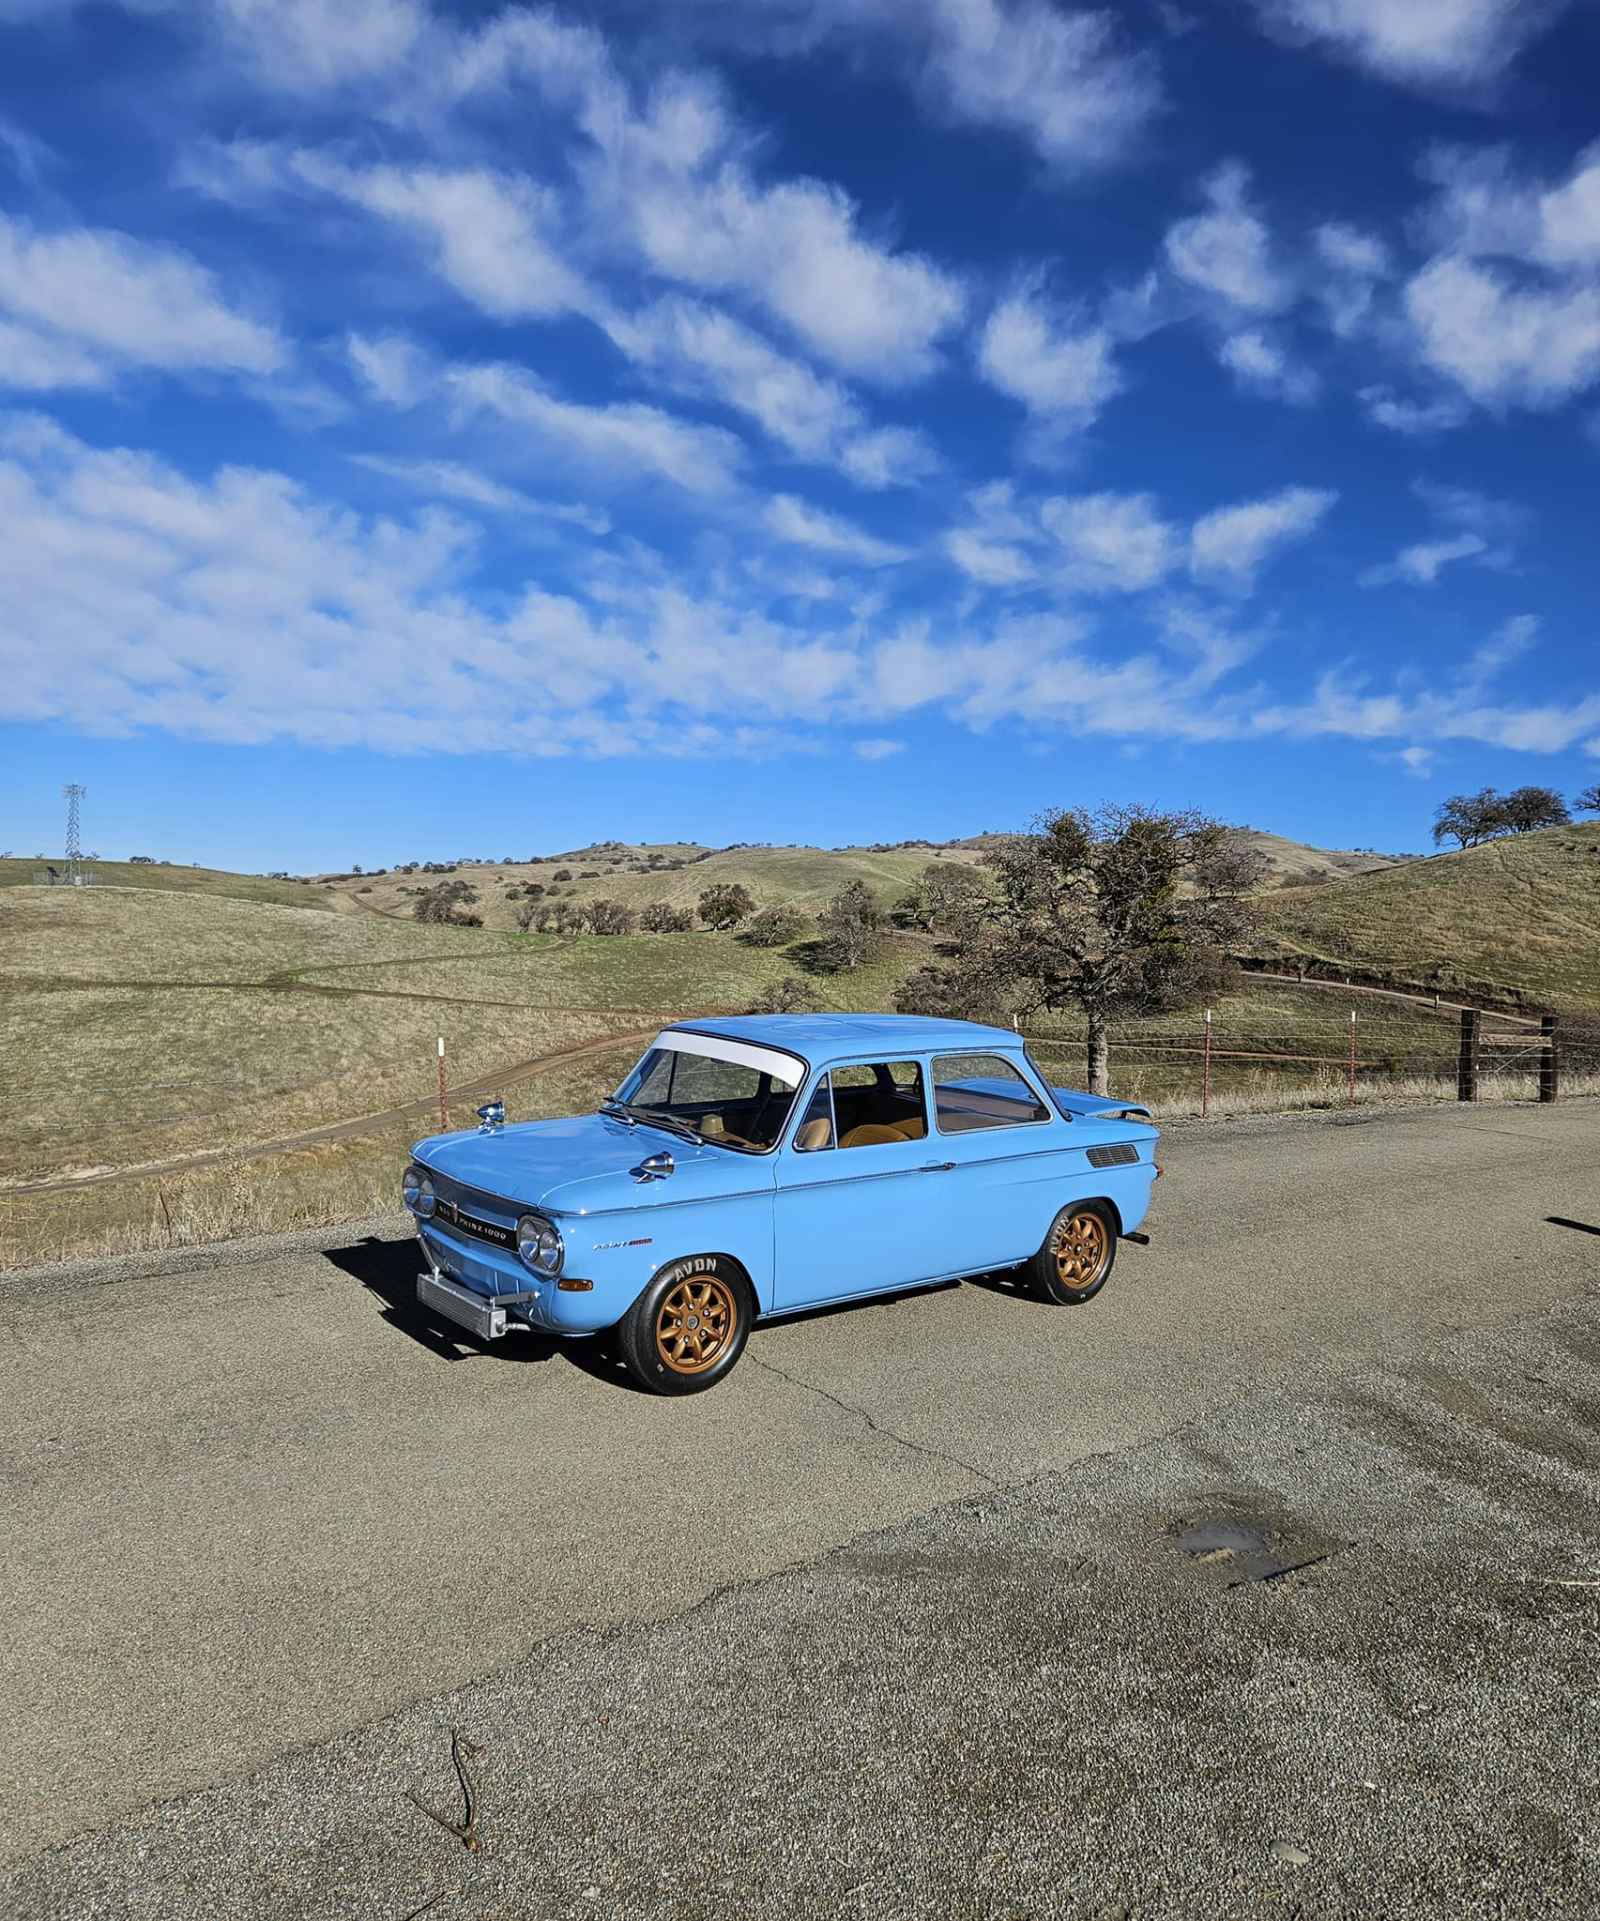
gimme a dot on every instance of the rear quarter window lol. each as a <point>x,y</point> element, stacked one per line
<point>972,1092</point>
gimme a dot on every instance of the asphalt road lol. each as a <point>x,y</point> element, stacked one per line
<point>894,1622</point>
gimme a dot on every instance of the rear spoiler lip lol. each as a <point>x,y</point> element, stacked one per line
<point>1096,1107</point>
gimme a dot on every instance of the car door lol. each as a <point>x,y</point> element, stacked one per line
<point>854,1182</point>
<point>1007,1147</point>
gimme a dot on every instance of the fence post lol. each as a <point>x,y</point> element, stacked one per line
<point>1205,1072</point>
<point>1352,1057</point>
<point>1549,1065</point>
<point>444,1111</point>
<point>1467,1068</point>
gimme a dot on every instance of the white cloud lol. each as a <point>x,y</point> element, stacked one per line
<point>1227,251</point>
<point>888,457</point>
<point>1057,78</point>
<point>1352,263</point>
<point>394,368</point>
<point>878,749</point>
<point>1485,527</point>
<point>305,46</point>
<point>450,480</point>
<point>1261,365</point>
<point>86,292</point>
<point>671,183</point>
<point>803,525</point>
<point>1423,563</point>
<point>239,607</point>
<point>993,548</point>
<point>1232,543</point>
<point>991,563</point>
<point>619,440</point>
<point>33,362</point>
<point>713,355</point>
<point>1504,345</point>
<point>1416,42</point>
<point>1509,642</point>
<point>1062,79</point>
<point>1415,418</point>
<point>1485,206</point>
<point>493,237</point>
<point>1111,543</point>
<point>1059,365</point>
<point>1466,507</point>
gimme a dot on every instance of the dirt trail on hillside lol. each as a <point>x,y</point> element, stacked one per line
<point>464,1095</point>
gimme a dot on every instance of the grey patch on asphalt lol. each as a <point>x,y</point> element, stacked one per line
<point>1023,1704</point>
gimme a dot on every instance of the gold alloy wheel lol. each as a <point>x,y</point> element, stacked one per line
<point>696,1323</point>
<point>1082,1250</point>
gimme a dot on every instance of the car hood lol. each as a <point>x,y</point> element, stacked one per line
<point>584,1165</point>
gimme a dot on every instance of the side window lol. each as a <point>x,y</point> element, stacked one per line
<point>880,1103</point>
<point>973,1091</point>
<point>816,1126</point>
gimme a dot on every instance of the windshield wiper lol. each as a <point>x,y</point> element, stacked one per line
<point>631,1116</point>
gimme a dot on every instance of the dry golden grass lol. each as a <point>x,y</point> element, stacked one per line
<point>1515,917</point>
<point>311,1187</point>
<point>177,878</point>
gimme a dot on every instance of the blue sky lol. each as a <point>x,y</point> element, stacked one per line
<point>437,430</point>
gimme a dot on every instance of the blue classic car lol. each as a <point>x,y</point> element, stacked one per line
<point>747,1169</point>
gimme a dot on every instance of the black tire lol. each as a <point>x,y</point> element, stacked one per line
<point>688,1328</point>
<point>1078,1254</point>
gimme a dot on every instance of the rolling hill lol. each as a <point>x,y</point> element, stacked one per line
<point>170,877</point>
<point>678,872</point>
<point>1514,920</point>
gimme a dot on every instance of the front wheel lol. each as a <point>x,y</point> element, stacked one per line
<point>1076,1259</point>
<point>688,1328</point>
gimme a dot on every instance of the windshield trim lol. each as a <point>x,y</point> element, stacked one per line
<point>709,1140</point>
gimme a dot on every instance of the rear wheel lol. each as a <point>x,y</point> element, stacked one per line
<point>1076,1259</point>
<point>688,1328</point>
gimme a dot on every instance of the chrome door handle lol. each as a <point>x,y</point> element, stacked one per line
<point>936,1167</point>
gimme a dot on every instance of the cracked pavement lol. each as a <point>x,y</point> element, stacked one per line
<point>899,1608</point>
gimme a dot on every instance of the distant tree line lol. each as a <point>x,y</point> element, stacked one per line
<point>1470,819</point>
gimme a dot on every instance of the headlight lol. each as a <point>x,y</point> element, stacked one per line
<point>539,1245</point>
<point>416,1190</point>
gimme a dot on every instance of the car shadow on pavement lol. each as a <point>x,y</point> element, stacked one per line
<point>389,1270</point>
<point>1012,1282</point>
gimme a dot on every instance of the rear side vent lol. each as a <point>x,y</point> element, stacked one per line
<point>1121,1154</point>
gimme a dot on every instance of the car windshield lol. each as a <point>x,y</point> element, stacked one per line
<point>738,1104</point>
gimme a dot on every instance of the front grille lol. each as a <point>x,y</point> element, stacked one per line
<point>453,1214</point>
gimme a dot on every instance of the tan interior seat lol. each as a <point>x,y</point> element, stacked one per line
<point>813,1135</point>
<point>872,1134</point>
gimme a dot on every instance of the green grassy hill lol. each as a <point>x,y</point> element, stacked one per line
<point>1515,920</point>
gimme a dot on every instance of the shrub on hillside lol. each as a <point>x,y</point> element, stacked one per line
<point>848,928</point>
<point>444,904</point>
<point>776,927</point>
<point>725,905</point>
<point>791,995</point>
<point>611,917</point>
<point>661,917</point>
